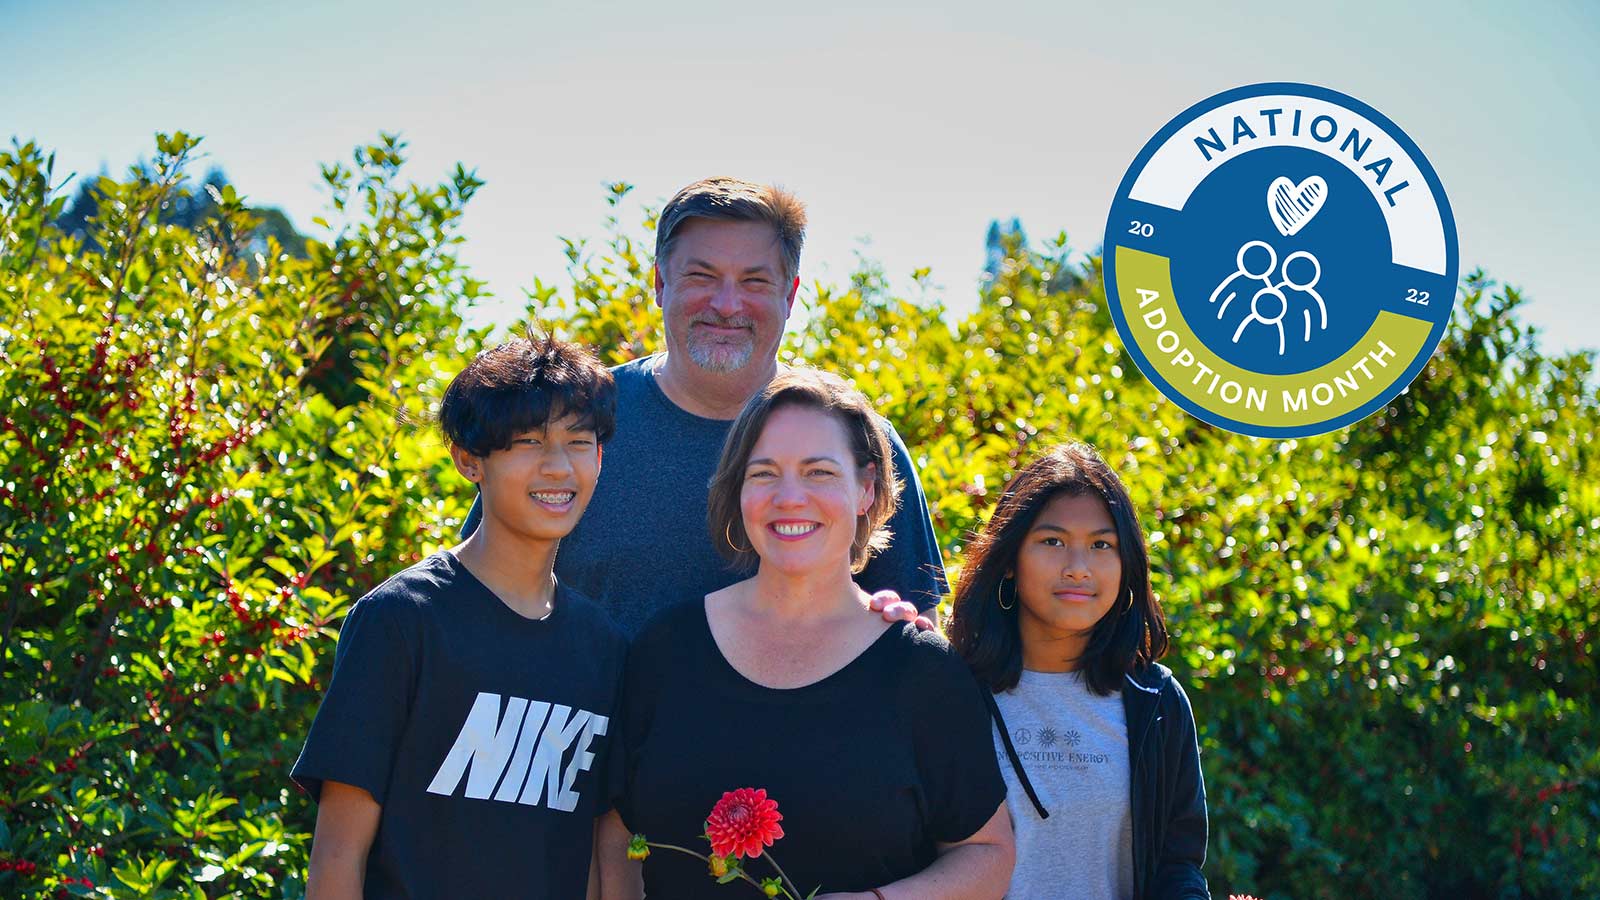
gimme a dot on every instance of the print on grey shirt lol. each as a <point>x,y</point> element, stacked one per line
<point>1074,746</point>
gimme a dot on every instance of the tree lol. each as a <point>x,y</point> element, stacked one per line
<point>191,210</point>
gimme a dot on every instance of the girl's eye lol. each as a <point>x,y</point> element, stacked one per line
<point>1052,541</point>
<point>1103,545</point>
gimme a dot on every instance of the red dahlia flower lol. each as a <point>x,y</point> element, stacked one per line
<point>743,822</point>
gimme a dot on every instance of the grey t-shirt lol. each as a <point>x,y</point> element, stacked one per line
<point>643,543</point>
<point>1074,746</point>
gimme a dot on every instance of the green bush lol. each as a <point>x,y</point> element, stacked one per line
<point>210,452</point>
<point>192,497</point>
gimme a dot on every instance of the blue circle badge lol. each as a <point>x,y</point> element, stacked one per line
<point>1281,260</point>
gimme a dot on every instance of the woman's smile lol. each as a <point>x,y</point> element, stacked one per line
<point>793,530</point>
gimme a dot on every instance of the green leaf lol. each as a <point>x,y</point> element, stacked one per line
<point>133,877</point>
<point>282,567</point>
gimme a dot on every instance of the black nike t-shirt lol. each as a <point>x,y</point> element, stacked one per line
<point>871,767</point>
<point>480,732</point>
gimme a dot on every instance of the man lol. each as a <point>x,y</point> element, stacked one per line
<point>727,264</point>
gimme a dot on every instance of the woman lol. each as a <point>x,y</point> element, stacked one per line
<point>872,738</point>
<point>1055,615</point>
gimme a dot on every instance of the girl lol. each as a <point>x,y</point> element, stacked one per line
<point>1055,616</point>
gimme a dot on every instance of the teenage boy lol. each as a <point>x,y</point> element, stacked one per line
<point>456,752</point>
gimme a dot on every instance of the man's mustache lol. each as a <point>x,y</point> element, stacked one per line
<point>720,322</point>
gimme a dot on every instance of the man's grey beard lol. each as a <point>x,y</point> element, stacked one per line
<point>719,357</point>
<point>716,356</point>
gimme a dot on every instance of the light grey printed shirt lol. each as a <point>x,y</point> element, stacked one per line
<point>1074,746</point>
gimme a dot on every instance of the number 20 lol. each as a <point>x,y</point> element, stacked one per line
<point>1143,229</point>
<point>1415,296</point>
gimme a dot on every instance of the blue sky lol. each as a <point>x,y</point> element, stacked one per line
<point>905,129</point>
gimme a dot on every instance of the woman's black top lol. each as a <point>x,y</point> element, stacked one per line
<point>871,767</point>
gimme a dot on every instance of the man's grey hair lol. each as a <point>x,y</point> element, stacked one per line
<point>734,200</point>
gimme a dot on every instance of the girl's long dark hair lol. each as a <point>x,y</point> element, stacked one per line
<point>1128,638</point>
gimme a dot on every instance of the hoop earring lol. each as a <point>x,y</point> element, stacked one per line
<point>727,534</point>
<point>999,589</point>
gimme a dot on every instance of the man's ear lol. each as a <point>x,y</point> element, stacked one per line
<point>661,283</point>
<point>470,467</point>
<point>794,288</point>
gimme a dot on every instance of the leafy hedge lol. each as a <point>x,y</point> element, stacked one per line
<point>211,449</point>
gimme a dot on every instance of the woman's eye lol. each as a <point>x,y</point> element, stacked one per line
<point>1103,545</point>
<point>1052,542</point>
<point>758,475</point>
<point>820,473</point>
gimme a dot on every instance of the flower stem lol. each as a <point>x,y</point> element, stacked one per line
<point>793,890</point>
<point>700,856</point>
<point>707,860</point>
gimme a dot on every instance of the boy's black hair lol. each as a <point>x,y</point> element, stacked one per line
<point>1132,635</point>
<point>522,385</point>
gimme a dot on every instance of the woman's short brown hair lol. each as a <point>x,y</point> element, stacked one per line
<point>869,443</point>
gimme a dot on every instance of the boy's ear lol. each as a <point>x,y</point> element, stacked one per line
<point>599,456</point>
<point>470,467</point>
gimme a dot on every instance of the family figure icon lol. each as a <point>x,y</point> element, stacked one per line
<point>1291,207</point>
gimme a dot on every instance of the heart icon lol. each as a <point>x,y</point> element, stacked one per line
<point>1292,205</point>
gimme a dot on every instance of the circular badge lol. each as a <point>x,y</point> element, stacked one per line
<point>1281,260</point>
